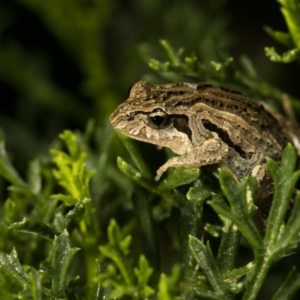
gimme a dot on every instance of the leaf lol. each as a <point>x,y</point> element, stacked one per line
<point>71,171</point>
<point>229,247</point>
<point>77,213</point>
<point>36,285</point>
<point>198,192</point>
<point>174,57</point>
<point>240,196</point>
<point>9,263</point>
<point>163,288</point>
<point>282,37</point>
<point>292,229</point>
<point>288,160</point>
<point>175,65</point>
<point>135,154</point>
<point>286,57</point>
<point>135,175</point>
<point>62,255</point>
<point>70,140</point>
<point>10,210</point>
<point>66,199</point>
<point>224,66</point>
<point>284,184</point>
<point>34,227</point>
<point>207,263</point>
<point>117,249</point>
<point>7,170</point>
<point>143,273</point>
<point>178,177</point>
<point>291,12</point>
<point>115,237</point>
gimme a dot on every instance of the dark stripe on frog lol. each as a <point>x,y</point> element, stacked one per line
<point>181,123</point>
<point>223,135</point>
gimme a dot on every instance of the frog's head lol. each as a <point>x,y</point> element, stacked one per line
<point>145,116</point>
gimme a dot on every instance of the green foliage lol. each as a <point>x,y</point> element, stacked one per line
<point>10,264</point>
<point>71,173</point>
<point>116,276</point>
<point>72,226</point>
<point>280,238</point>
<point>291,39</point>
<point>131,282</point>
<point>224,72</point>
<point>30,279</point>
<point>62,255</point>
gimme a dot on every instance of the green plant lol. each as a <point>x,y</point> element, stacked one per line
<point>76,228</point>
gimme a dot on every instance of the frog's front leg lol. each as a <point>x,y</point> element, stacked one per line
<point>210,152</point>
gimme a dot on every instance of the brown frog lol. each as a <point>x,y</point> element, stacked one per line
<point>204,125</point>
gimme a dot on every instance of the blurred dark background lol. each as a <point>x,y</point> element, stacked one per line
<point>63,62</point>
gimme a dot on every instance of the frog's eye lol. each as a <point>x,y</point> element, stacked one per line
<point>158,119</point>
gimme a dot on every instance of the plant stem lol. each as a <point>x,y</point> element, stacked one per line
<point>90,234</point>
<point>192,225</point>
<point>262,265</point>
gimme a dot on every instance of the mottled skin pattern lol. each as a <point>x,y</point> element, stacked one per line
<point>203,124</point>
